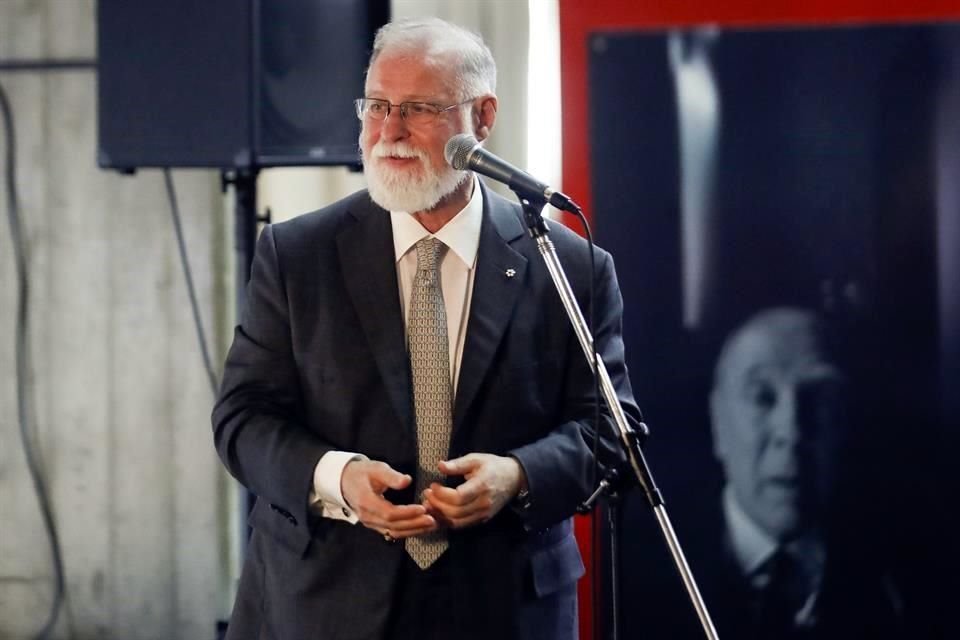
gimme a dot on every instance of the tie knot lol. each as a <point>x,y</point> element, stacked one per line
<point>428,254</point>
<point>781,563</point>
<point>787,587</point>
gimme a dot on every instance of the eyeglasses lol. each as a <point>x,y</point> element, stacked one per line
<point>416,113</point>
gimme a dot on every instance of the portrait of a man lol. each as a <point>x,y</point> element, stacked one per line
<point>778,422</point>
<point>790,189</point>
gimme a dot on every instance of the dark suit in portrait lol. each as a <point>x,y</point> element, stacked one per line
<point>775,549</point>
<point>857,598</point>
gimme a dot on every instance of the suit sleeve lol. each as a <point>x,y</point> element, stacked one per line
<point>258,417</point>
<point>560,466</point>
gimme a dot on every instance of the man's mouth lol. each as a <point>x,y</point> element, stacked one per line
<point>398,160</point>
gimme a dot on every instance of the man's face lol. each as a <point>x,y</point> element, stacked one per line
<point>777,410</point>
<point>404,163</point>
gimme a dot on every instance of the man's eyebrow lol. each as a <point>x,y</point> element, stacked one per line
<point>757,370</point>
<point>416,97</point>
<point>823,371</point>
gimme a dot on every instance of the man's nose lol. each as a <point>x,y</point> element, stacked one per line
<point>785,420</point>
<point>394,127</point>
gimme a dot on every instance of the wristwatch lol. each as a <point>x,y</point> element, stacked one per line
<point>521,503</point>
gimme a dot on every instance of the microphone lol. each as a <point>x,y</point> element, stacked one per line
<point>464,153</point>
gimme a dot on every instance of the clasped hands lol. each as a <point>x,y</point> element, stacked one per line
<point>490,483</point>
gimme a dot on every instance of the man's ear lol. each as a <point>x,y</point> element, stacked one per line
<point>484,117</point>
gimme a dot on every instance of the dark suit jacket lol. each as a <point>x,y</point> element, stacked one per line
<point>859,598</point>
<point>319,362</point>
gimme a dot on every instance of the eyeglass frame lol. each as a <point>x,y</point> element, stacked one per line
<point>358,104</point>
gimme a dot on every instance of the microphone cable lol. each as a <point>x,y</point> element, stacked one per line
<point>578,212</point>
<point>596,549</point>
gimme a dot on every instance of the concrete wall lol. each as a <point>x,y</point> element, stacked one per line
<point>119,396</point>
<point>147,519</point>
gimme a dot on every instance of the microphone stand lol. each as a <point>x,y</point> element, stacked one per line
<point>635,464</point>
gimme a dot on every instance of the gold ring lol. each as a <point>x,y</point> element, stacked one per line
<point>388,537</point>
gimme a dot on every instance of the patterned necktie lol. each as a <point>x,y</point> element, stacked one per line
<point>432,393</point>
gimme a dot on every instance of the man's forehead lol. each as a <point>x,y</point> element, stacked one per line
<point>782,343</point>
<point>416,74</point>
<point>801,369</point>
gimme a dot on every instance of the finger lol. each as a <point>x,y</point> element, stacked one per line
<point>413,526</point>
<point>472,489</point>
<point>462,495</point>
<point>445,495</point>
<point>388,477</point>
<point>363,481</point>
<point>460,466</point>
<point>469,520</point>
<point>411,531</point>
<point>399,513</point>
<point>436,507</point>
<point>375,511</point>
<point>399,535</point>
<point>459,521</point>
<point>436,513</point>
<point>453,512</point>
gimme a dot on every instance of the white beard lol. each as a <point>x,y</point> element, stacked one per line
<point>408,191</point>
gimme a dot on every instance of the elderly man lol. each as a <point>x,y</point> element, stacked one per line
<point>778,552</point>
<point>777,415</point>
<point>404,393</point>
<point>779,422</point>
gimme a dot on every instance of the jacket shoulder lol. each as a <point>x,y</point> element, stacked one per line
<point>564,239</point>
<point>572,245</point>
<point>323,223</point>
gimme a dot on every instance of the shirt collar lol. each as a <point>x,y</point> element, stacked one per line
<point>461,234</point>
<point>752,546</point>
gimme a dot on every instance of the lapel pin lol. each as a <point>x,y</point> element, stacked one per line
<point>510,273</point>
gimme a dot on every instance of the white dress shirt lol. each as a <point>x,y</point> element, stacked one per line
<point>461,239</point>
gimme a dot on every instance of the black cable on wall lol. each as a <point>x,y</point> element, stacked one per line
<point>21,338</point>
<point>188,277</point>
<point>22,329</point>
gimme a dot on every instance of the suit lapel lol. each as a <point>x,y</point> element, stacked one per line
<point>370,274</point>
<point>497,285</point>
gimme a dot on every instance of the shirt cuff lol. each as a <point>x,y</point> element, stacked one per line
<point>326,498</point>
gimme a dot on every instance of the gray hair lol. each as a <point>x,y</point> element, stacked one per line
<point>475,72</point>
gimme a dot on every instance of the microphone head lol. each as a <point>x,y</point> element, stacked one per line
<point>458,149</point>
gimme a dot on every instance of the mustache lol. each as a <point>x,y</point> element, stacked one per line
<point>396,150</point>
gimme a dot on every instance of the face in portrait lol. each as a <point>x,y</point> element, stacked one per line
<point>778,416</point>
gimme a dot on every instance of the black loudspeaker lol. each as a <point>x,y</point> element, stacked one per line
<point>232,83</point>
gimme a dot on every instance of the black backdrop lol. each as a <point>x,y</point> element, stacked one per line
<point>825,195</point>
